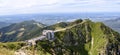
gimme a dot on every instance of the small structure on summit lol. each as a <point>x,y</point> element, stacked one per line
<point>49,34</point>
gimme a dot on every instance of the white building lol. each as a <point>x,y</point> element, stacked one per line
<point>49,34</point>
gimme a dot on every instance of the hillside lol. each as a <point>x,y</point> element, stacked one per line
<point>10,47</point>
<point>114,24</point>
<point>84,37</point>
<point>81,37</point>
<point>19,31</point>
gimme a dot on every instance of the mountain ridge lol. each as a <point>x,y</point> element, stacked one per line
<point>86,38</point>
<point>80,37</point>
<point>18,30</point>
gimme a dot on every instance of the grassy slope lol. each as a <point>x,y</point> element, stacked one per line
<point>92,38</point>
<point>98,39</point>
<point>10,47</point>
<point>20,31</point>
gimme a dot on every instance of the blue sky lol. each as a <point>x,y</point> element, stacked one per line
<point>57,6</point>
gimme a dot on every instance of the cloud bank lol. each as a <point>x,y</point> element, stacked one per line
<point>56,6</point>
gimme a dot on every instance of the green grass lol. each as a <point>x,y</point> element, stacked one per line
<point>4,51</point>
<point>10,47</point>
<point>99,40</point>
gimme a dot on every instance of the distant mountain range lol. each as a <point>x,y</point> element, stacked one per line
<point>50,19</point>
<point>114,24</point>
<point>4,24</point>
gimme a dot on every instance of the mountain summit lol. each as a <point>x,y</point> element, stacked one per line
<point>83,37</point>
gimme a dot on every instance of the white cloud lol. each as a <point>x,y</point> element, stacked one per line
<point>33,6</point>
<point>24,3</point>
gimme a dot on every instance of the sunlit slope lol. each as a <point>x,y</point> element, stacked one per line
<point>19,31</point>
<point>83,38</point>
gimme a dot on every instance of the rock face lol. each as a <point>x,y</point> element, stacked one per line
<point>83,38</point>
